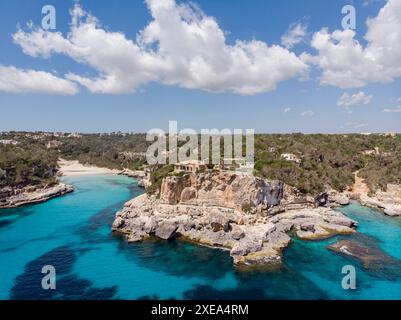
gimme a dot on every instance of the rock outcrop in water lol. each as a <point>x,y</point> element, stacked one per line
<point>367,252</point>
<point>10,198</point>
<point>251,217</point>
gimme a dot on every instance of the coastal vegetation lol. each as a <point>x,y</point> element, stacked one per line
<point>30,158</point>
<point>156,177</point>
<point>27,164</point>
<point>382,170</point>
<point>322,160</point>
<point>330,160</point>
<point>308,162</point>
<point>113,151</point>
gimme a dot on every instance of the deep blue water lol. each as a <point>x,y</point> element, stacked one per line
<point>72,233</point>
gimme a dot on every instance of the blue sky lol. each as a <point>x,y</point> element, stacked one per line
<point>310,105</point>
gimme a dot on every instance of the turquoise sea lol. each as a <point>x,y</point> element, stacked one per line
<point>72,233</point>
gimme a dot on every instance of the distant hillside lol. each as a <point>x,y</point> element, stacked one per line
<point>114,151</point>
<point>307,162</point>
<point>28,158</point>
<point>329,160</point>
<point>27,163</point>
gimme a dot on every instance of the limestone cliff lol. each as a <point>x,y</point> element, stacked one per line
<point>225,189</point>
<point>249,216</point>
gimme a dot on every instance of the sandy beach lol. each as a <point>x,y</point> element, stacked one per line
<point>74,168</point>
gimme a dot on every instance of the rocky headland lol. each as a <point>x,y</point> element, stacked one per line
<point>12,198</point>
<point>251,217</point>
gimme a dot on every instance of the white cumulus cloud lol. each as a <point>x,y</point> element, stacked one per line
<point>181,46</point>
<point>347,63</point>
<point>347,100</point>
<point>295,34</point>
<point>19,81</point>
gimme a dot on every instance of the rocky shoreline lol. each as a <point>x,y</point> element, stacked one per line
<point>251,217</point>
<point>10,198</point>
<point>388,201</point>
<point>141,176</point>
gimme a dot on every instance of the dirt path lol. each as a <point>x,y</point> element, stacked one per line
<point>360,187</point>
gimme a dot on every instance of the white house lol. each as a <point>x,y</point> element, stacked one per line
<point>291,157</point>
<point>9,142</point>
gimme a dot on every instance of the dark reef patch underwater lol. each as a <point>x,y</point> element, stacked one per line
<point>72,233</point>
<point>69,286</point>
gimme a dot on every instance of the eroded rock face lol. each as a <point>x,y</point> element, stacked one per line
<point>209,209</point>
<point>226,189</point>
<point>172,187</point>
<point>393,210</point>
<point>338,198</point>
<point>237,232</point>
<point>166,230</point>
<point>188,194</point>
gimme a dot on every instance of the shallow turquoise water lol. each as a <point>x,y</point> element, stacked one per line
<point>73,234</point>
